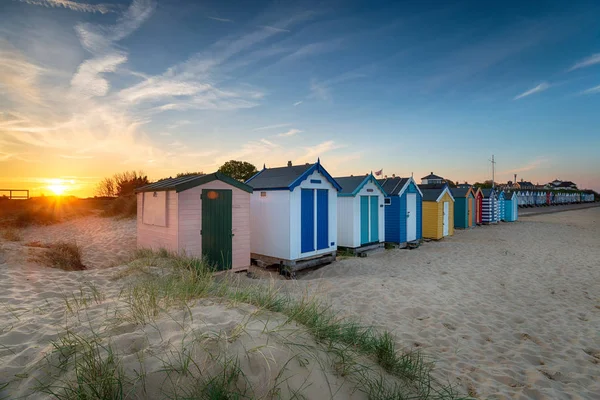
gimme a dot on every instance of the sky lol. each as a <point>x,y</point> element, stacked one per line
<point>89,89</point>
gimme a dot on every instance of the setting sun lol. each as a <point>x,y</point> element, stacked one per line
<point>57,186</point>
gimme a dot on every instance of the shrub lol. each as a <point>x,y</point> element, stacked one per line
<point>35,217</point>
<point>12,235</point>
<point>125,206</point>
<point>63,255</point>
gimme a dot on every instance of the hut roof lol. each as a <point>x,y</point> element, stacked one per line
<point>434,194</point>
<point>287,177</point>
<point>508,195</point>
<point>461,192</point>
<point>487,192</point>
<point>351,185</point>
<point>395,186</point>
<point>187,182</point>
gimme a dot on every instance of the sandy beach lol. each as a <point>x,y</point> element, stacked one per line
<point>507,311</point>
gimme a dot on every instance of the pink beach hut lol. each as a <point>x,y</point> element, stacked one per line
<point>199,215</point>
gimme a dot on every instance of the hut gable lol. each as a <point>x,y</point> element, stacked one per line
<point>289,177</point>
<point>403,210</point>
<point>434,201</point>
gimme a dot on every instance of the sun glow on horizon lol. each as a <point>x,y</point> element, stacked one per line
<point>58,186</point>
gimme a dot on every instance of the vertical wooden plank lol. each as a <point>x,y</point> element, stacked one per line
<point>364,219</point>
<point>374,219</point>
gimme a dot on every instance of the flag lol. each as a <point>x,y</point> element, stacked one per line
<point>379,173</point>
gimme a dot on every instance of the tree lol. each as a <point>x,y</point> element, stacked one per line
<point>450,183</point>
<point>240,170</point>
<point>182,174</point>
<point>121,184</point>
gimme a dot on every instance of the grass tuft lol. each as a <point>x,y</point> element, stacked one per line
<point>12,235</point>
<point>62,255</point>
<point>124,207</point>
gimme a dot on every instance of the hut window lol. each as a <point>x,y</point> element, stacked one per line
<point>387,201</point>
<point>154,208</point>
<point>315,181</point>
<point>263,194</point>
<point>370,190</point>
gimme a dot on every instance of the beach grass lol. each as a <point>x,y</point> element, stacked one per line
<point>63,255</point>
<point>12,235</point>
<point>401,374</point>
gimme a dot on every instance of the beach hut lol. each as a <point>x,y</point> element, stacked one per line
<point>293,216</point>
<point>500,209</point>
<point>403,210</point>
<point>478,206</point>
<point>438,211</point>
<point>200,215</point>
<point>464,207</point>
<point>490,206</point>
<point>511,207</point>
<point>360,213</point>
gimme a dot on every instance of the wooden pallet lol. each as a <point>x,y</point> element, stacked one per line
<point>362,251</point>
<point>293,265</point>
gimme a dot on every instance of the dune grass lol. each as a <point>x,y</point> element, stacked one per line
<point>191,279</point>
<point>12,235</point>
<point>62,255</point>
<point>124,207</point>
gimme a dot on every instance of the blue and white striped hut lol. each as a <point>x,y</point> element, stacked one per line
<point>293,215</point>
<point>361,213</point>
<point>500,213</point>
<point>489,210</point>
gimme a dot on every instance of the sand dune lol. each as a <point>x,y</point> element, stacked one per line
<point>508,311</point>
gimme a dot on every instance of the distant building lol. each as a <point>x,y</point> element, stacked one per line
<point>558,184</point>
<point>432,179</point>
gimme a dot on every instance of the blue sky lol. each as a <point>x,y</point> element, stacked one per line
<point>89,89</point>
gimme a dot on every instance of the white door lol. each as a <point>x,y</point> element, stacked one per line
<point>446,214</point>
<point>411,217</point>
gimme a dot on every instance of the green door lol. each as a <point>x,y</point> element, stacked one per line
<point>216,228</point>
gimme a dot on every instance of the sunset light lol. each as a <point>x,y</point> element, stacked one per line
<point>58,186</point>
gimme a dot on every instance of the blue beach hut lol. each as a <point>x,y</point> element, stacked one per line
<point>403,210</point>
<point>293,215</point>
<point>361,213</point>
<point>500,210</point>
<point>511,207</point>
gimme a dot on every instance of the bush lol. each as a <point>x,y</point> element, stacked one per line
<point>125,206</point>
<point>35,217</point>
<point>63,255</point>
<point>12,235</point>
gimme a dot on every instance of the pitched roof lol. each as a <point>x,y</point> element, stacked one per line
<point>351,185</point>
<point>393,186</point>
<point>433,194</point>
<point>287,177</point>
<point>508,195</point>
<point>432,176</point>
<point>433,186</point>
<point>487,192</point>
<point>525,183</point>
<point>187,182</point>
<point>461,192</point>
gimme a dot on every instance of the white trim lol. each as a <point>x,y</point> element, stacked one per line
<point>446,189</point>
<point>406,186</point>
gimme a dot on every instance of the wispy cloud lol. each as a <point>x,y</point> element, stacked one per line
<point>263,128</point>
<point>75,157</point>
<point>274,28</point>
<point>532,165</point>
<point>320,91</point>
<point>539,88</point>
<point>593,90</point>
<point>73,5</point>
<point>311,153</point>
<point>587,62</point>
<point>220,19</point>
<point>297,103</point>
<point>18,76</point>
<point>289,133</point>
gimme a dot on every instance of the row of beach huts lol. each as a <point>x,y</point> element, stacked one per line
<point>298,216</point>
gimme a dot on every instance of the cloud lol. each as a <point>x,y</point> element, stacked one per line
<point>534,164</point>
<point>289,133</point>
<point>89,81</point>
<point>297,103</point>
<point>220,19</point>
<point>319,150</point>
<point>273,28</point>
<point>73,5</point>
<point>320,91</point>
<point>18,76</point>
<point>587,62</point>
<point>593,90</point>
<point>539,88</point>
<point>75,157</point>
<point>262,128</point>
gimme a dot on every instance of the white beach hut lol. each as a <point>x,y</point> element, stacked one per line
<point>361,216</point>
<point>293,216</point>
